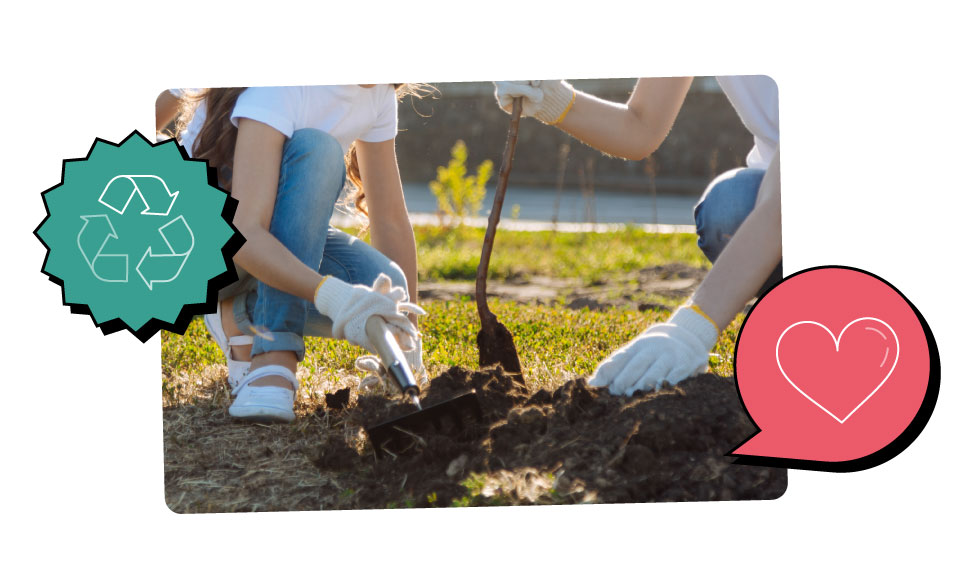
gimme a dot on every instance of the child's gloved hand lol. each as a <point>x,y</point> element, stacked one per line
<point>350,306</point>
<point>546,100</point>
<point>376,377</point>
<point>666,352</point>
<point>414,357</point>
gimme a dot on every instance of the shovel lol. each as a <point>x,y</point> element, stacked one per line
<point>396,436</point>
<point>495,342</point>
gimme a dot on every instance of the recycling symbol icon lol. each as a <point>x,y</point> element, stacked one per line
<point>139,236</point>
<point>98,231</point>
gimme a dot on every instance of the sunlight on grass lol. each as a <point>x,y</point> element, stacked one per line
<point>555,343</point>
<point>446,254</point>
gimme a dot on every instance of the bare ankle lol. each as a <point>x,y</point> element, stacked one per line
<point>228,318</point>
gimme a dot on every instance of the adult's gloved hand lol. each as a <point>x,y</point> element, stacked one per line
<point>666,352</point>
<point>546,100</point>
<point>350,306</point>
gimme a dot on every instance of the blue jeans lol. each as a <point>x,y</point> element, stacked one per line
<point>726,202</point>
<point>310,181</point>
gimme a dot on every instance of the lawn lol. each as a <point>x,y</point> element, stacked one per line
<point>214,464</point>
<point>555,343</point>
<point>446,254</point>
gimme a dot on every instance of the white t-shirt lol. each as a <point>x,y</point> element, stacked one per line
<point>755,100</point>
<point>346,112</point>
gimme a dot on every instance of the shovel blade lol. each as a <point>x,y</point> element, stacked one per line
<point>496,347</point>
<point>400,435</point>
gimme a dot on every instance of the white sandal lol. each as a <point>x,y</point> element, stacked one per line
<point>237,370</point>
<point>265,404</point>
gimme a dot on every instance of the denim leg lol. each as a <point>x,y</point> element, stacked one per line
<point>310,181</point>
<point>726,202</point>
<point>356,262</point>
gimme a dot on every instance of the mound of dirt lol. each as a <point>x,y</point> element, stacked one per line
<point>572,444</point>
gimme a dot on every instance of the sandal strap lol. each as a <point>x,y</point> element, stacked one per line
<point>270,370</point>
<point>240,340</point>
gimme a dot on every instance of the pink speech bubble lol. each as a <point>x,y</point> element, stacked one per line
<point>838,370</point>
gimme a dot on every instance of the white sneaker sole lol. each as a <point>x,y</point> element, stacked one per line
<point>266,404</point>
<point>261,414</point>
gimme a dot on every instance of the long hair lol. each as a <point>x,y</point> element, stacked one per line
<point>216,138</point>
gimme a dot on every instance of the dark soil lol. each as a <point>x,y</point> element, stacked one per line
<point>572,444</point>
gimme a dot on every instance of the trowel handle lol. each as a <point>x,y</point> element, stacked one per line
<point>391,355</point>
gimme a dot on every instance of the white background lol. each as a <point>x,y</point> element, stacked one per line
<point>871,130</point>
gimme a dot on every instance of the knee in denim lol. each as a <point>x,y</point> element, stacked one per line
<point>317,154</point>
<point>723,207</point>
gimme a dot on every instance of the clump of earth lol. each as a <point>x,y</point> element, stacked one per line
<point>572,444</point>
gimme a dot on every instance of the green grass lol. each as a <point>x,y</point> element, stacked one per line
<point>555,344</point>
<point>453,254</point>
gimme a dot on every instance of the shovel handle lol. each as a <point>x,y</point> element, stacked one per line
<point>391,354</point>
<point>482,270</point>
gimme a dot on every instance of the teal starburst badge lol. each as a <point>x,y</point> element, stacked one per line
<point>139,236</point>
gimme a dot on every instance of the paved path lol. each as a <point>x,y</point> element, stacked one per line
<point>612,211</point>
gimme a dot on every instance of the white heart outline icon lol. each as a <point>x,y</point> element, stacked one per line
<point>837,341</point>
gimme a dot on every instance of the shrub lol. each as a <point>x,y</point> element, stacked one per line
<point>460,195</point>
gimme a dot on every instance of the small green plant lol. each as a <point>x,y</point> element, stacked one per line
<point>460,195</point>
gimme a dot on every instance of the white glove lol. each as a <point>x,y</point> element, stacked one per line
<point>376,373</point>
<point>547,100</point>
<point>376,377</point>
<point>350,307</point>
<point>666,352</point>
<point>414,358</point>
